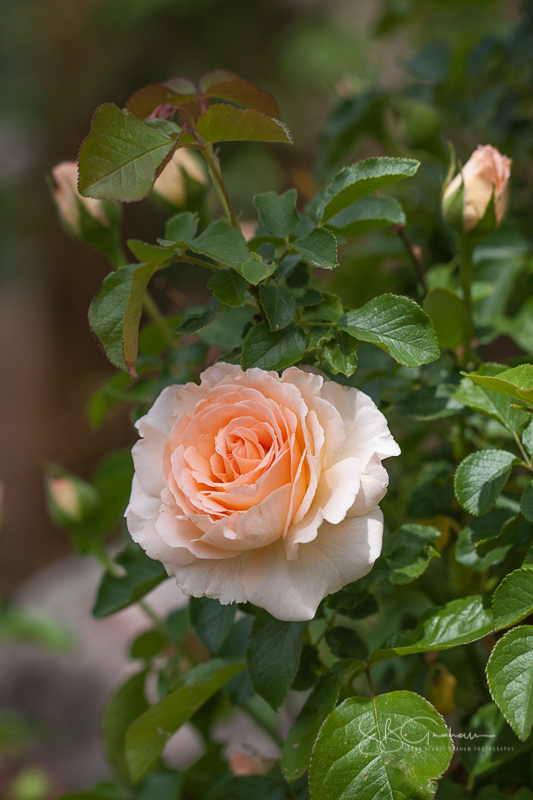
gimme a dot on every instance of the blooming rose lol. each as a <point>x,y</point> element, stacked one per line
<point>485,172</point>
<point>68,198</point>
<point>171,183</point>
<point>257,487</point>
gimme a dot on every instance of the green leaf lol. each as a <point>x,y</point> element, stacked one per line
<point>409,550</point>
<point>346,643</point>
<point>527,437</point>
<point>299,743</point>
<point>229,287</point>
<point>245,787</point>
<point>430,402</point>
<point>279,306</point>
<point>147,736</point>
<point>273,655</point>
<point>148,645</point>
<point>222,123</point>
<point>359,180</point>
<point>222,243</point>
<point>480,478</point>
<point>163,785</point>
<point>395,741</point>
<point>510,677</point>
<point>319,248</point>
<point>329,310</point>
<point>526,502</point>
<point>142,575</point>
<point>516,383</point>
<point>513,599</point>
<point>115,313</point>
<point>458,622</point>
<point>176,625</point>
<point>498,742</point>
<point>195,322</point>
<point>398,325</point>
<point>365,214</point>
<point>483,399</point>
<point>340,354</point>
<point>449,317</point>
<point>224,85</point>
<point>128,703</point>
<point>181,227</point>
<point>144,251</point>
<point>211,621</point>
<point>119,158</point>
<point>256,270</point>
<point>273,350</point>
<point>277,212</point>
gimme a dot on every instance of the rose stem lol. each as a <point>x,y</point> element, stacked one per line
<point>467,246</point>
<point>416,256</point>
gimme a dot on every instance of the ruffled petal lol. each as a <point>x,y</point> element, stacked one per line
<point>221,580</point>
<point>292,590</point>
<point>374,483</point>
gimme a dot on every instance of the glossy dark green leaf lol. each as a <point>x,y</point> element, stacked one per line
<point>430,402</point>
<point>480,478</point>
<point>513,598</point>
<point>224,123</point>
<point>510,677</point>
<point>148,644</point>
<point>195,322</point>
<point>128,703</point>
<point>409,550</point>
<point>396,742</point>
<point>319,248</point>
<point>458,622</point>
<point>273,655</point>
<point>278,304</point>
<point>147,736</point>
<point>176,625</point>
<point>273,350</point>
<point>340,353</point>
<point>396,324</point>
<point>211,621</point>
<point>369,212</point>
<point>359,180</point>
<point>229,287</point>
<point>277,212</point>
<point>298,745</point>
<point>142,574</point>
<point>120,157</point>
<point>346,643</point>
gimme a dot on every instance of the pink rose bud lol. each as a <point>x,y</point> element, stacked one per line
<point>70,500</point>
<point>242,764</point>
<point>484,176</point>
<point>70,202</point>
<point>174,183</point>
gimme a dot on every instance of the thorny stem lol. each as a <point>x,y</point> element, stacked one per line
<point>158,319</point>
<point>416,256</point>
<point>467,248</point>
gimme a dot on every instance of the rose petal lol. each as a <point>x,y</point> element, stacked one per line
<point>374,483</point>
<point>221,579</point>
<point>292,590</point>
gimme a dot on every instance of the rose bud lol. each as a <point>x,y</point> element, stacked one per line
<point>71,501</point>
<point>182,176</point>
<point>70,202</point>
<point>261,488</point>
<point>466,202</point>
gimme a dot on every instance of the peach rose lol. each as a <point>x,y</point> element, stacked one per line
<point>485,172</point>
<point>257,487</point>
<point>68,198</point>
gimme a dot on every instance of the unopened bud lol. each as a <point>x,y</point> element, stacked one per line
<point>71,501</point>
<point>181,175</point>
<point>70,202</point>
<point>476,200</point>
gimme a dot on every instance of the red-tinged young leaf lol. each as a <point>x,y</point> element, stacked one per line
<point>224,85</point>
<point>177,93</point>
<point>222,123</point>
<point>120,157</point>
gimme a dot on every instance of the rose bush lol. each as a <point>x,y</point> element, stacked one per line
<point>256,487</point>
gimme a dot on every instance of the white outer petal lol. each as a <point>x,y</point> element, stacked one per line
<point>221,579</point>
<point>292,590</point>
